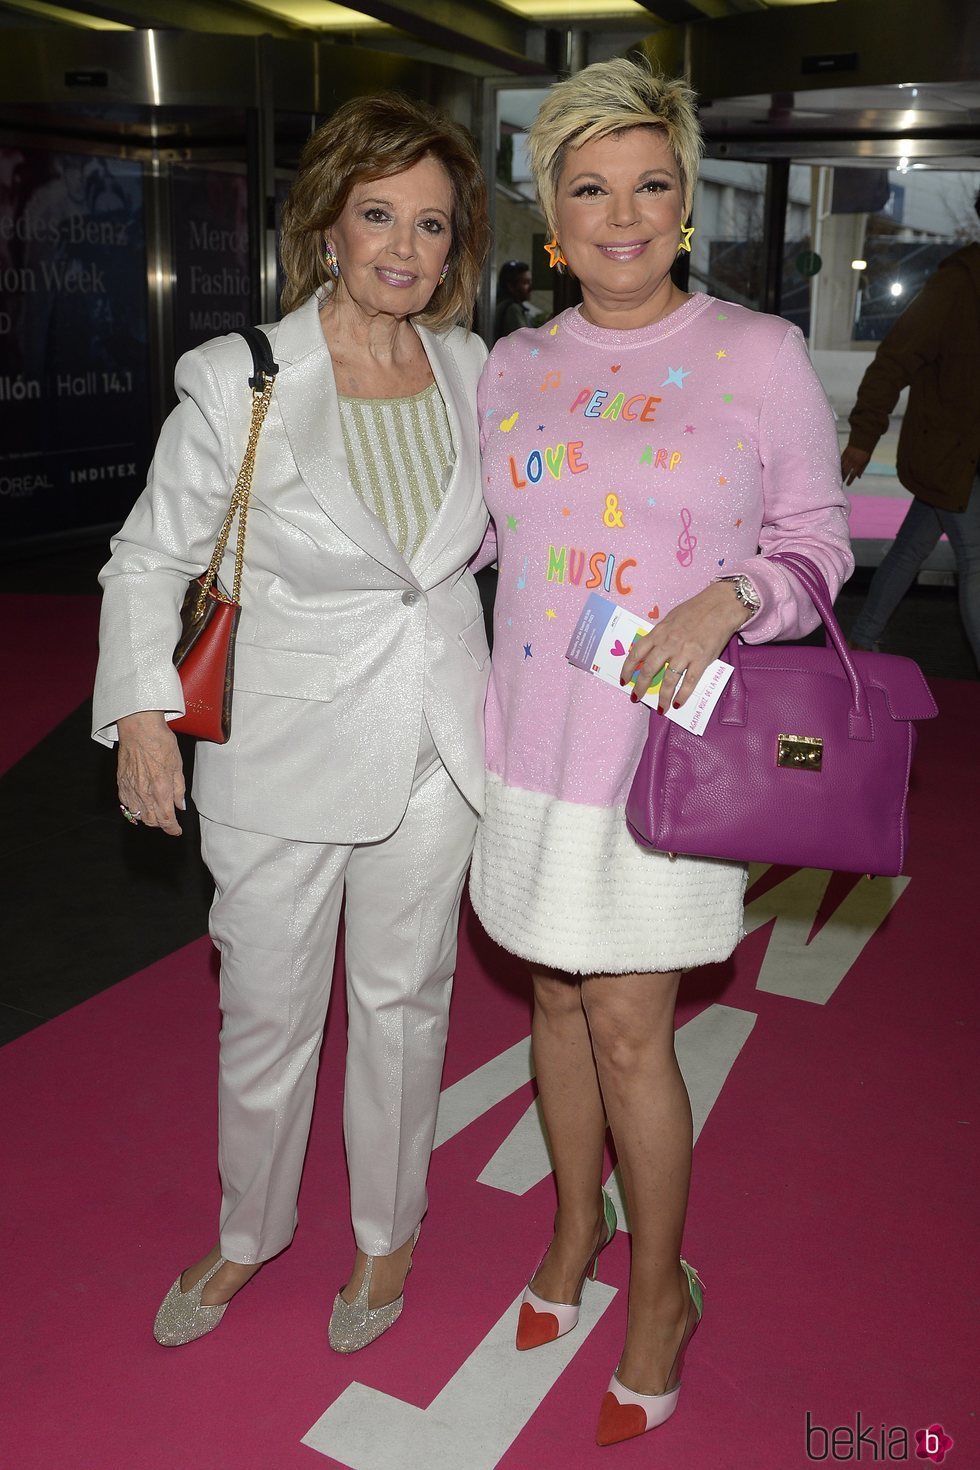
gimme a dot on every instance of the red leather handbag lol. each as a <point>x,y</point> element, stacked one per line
<point>205,660</point>
<point>205,652</point>
<point>805,760</point>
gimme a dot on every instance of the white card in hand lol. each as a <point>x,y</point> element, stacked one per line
<point>695,712</point>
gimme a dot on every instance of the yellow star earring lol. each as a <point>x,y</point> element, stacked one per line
<point>686,232</point>
<point>555,257</point>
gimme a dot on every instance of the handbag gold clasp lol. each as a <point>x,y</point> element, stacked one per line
<point>799,752</point>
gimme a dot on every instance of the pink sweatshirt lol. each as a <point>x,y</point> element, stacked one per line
<point>642,465</point>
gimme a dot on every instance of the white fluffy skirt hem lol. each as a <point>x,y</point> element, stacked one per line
<point>564,885</point>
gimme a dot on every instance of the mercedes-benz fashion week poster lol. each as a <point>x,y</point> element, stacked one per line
<point>74,393</point>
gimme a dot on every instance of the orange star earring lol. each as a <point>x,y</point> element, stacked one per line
<point>686,232</point>
<point>555,257</point>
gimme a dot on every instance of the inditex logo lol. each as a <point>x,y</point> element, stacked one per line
<point>874,1444</point>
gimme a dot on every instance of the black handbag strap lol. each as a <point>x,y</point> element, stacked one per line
<point>264,364</point>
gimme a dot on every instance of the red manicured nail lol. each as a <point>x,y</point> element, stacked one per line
<point>660,711</point>
<point>633,698</point>
<point>677,704</point>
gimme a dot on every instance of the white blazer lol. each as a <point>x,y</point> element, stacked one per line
<point>341,645</point>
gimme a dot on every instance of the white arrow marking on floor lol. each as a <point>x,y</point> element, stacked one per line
<point>813,970</point>
<point>707,1047</point>
<point>522,1160</point>
<point>472,1096</point>
<point>472,1422</point>
<point>369,1430</point>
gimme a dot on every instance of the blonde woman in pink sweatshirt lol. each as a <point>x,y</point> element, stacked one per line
<point>656,447</point>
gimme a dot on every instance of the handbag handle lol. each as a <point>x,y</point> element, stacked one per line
<point>262,382</point>
<point>809,575</point>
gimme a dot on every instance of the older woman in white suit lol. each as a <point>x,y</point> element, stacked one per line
<point>354,770</point>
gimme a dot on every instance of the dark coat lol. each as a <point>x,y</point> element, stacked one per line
<point>934,350</point>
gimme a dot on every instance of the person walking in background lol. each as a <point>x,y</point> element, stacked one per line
<point>514,308</point>
<point>658,446</point>
<point>354,771</point>
<point>934,351</point>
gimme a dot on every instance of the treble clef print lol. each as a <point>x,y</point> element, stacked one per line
<point>686,542</point>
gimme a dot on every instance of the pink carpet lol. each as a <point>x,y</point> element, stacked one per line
<point>833,1214</point>
<point>51,645</point>
<point>876,517</point>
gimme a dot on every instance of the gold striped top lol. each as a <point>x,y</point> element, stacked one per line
<point>398,453</point>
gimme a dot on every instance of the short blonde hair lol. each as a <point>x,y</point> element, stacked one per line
<point>610,97</point>
<point>373,138</point>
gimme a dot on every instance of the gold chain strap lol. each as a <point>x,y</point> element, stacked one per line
<point>239,502</point>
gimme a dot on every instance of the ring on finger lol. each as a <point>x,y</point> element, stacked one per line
<point>132,817</point>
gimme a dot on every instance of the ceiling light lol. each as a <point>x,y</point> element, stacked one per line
<point>69,15</point>
<point>318,15</point>
<point>859,265</point>
<point>896,288</point>
<point>571,9</point>
<point>151,51</point>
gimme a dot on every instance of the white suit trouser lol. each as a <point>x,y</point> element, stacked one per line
<point>274,919</point>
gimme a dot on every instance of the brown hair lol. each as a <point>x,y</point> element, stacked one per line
<point>373,138</point>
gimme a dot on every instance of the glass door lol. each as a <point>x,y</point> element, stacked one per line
<point>521,289</point>
<point>873,236</point>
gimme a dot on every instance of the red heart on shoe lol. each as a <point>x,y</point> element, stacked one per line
<point>619,1421</point>
<point>535,1328</point>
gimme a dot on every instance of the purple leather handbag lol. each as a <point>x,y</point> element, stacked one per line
<point>805,760</point>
